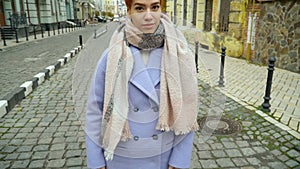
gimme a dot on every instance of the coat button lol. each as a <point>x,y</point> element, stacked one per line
<point>155,109</point>
<point>136,109</point>
<point>155,136</point>
<point>136,138</point>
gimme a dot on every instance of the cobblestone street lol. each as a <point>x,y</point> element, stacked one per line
<point>46,129</point>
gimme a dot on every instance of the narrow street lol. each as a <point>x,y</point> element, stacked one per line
<point>19,63</point>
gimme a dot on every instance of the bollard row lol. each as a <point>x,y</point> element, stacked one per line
<point>13,98</point>
<point>61,28</point>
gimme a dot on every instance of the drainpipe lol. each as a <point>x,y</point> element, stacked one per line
<point>28,14</point>
<point>250,38</point>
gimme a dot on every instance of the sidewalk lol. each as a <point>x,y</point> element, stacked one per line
<point>31,37</point>
<point>246,83</point>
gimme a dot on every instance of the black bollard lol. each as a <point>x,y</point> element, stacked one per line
<point>17,38</point>
<point>80,40</point>
<point>3,37</point>
<point>62,29</point>
<point>26,33</point>
<point>58,27</point>
<point>266,105</point>
<point>196,55</point>
<point>48,29</point>
<point>34,32</point>
<point>53,29</point>
<point>223,54</point>
<point>95,34</point>
<point>42,31</point>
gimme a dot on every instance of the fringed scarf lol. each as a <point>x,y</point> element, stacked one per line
<point>178,84</point>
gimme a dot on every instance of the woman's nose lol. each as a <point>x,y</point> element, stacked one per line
<point>148,15</point>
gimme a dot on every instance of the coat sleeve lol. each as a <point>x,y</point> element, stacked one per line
<point>182,151</point>
<point>94,151</point>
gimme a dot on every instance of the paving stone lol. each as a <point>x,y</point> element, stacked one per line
<point>41,148</point>
<point>209,164</point>
<point>225,162</point>
<point>219,153</point>
<point>58,163</point>
<point>293,153</point>
<point>40,155</point>
<point>37,164</point>
<point>254,161</point>
<point>259,149</point>
<point>233,153</point>
<point>74,161</point>
<point>229,145</point>
<point>242,143</point>
<point>20,164</point>
<point>292,163</point>
<point>248,151</point>
<point>240,162</point>
<point>60,146</point>
<point>73,153</point>
<point>56,154</point>
<point>4,164</point>
<point>26,155</point>
<point>12,156</point>
<point>276,165</point>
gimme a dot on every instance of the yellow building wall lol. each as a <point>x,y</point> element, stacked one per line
<point>214,40</point>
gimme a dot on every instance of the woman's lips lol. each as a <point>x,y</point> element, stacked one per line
<point>147,26</point>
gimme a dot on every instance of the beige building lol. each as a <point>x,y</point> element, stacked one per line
<point>237,25</point>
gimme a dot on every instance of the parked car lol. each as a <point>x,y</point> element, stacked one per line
<point>116,18</point>
<point>100,19</point>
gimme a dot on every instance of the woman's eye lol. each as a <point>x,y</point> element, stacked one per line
<point>139,9</point>
<point>155,7</point>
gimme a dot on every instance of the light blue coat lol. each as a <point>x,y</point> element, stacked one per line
<point>149,148</point>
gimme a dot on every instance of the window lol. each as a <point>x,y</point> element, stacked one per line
<point>224,16</point>
<point>208,15</point>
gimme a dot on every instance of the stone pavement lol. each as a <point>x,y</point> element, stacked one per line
<point>44,130</point>
<point>246,83</point>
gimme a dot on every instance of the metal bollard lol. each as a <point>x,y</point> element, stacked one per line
<point>3,37</point>
<point>26,33</point>
<point>80,40</point>
<point>62,29</point>
<point>48,28</point>
<point>223,54</point>
<point>42,31</point>
<point>58,27</point>
<point>17,38</point>
<point>266,105</point>
<point>34,32</point>
<point>95,34</point>
<point>196,55</point>
<point>53,29</point>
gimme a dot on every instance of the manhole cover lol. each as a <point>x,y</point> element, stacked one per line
<point>218,125</point>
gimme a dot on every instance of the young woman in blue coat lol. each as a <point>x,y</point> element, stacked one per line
<point>142,106</point>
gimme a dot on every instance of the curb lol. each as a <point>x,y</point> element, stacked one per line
<point>18,94</point>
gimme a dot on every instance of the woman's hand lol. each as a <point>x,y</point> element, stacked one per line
<point>102,168</point>
<point>171,167</point>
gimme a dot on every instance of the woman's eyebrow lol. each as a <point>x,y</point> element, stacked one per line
<point>140,4</point>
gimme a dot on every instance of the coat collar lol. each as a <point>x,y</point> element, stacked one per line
<point>146,77</point>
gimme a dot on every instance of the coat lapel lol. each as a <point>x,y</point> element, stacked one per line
<point>147,77</point>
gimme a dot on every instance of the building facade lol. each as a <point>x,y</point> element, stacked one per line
<point>249,29</point>
<point>18,13</point>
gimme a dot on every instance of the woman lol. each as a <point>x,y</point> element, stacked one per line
<point>142,105</point>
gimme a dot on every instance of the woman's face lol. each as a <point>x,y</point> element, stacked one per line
<point>145,14</point>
